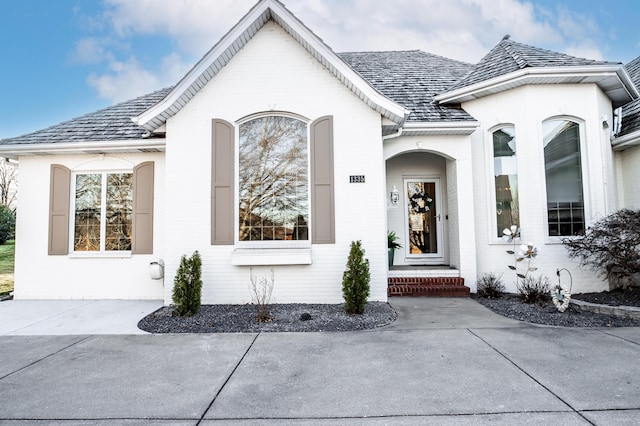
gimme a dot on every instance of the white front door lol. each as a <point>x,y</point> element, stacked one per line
<point>424,226</point>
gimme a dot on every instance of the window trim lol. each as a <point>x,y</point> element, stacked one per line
<point>280,245</point>
<point>584,161</point>
<point>72,213</point>
<point>491,182</point>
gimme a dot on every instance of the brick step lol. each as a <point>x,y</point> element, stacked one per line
<point>426,281</point>
<point>427,286</point>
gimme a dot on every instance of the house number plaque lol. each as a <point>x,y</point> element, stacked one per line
<point>356,179</point>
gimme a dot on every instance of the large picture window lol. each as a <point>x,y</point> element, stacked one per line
<point>273,179</point>
<point>563,173</point>
<point>505,169</point>
<point>103,212</point>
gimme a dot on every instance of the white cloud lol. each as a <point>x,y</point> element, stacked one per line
<point>458,29</point>
<point>128,79</point>
<point>92,50</point>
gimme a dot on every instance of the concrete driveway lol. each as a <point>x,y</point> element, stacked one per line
<point>418,371</point>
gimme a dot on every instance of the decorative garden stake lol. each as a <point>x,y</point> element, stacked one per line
<point>526,251</point>
<point>560,296</point>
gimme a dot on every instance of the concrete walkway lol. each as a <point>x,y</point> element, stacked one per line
<point>66,317</point>
<point>444,362</point>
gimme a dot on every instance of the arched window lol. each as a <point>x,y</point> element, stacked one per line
<point>563,174</point>
<point>273,179</point>
<point>505,170</point>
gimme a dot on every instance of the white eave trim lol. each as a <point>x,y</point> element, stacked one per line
<point>626,141</point>
<point>540,76</point>
<point>234,41</point>
<point>130,145</point>
<point>440,128</point>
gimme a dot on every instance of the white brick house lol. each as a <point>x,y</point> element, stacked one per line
<point>274,152</point>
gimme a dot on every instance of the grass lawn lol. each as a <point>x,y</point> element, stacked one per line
<point>6,267</point>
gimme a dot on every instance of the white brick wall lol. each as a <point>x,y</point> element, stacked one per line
<point>40,276</point>
<point>526,108</point>
<point>273,72</point>
<point>628,162</point>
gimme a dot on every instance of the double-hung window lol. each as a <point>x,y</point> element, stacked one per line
<point>103,212</point>
<point>563,174</point>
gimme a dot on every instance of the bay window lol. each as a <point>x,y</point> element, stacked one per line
<point>563,174</point>
<point>505,170</point>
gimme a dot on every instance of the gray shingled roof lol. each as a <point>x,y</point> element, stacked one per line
<point>109,124</point>
<point>633,68</point>
<point>509,56</point>
<point>412,78</point>
<point>631,111</point>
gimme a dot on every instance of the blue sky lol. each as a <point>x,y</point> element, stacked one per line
<point>64,58</point>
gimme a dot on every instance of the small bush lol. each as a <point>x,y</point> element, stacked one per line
<point>535,289</point>
<point>7,224</point>
<point>610,247</point>
<point>355,280</point>
<point>261,289</point>
<point>187,286</point>
<point>489,286</point>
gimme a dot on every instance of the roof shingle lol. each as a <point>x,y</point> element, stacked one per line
<point>108,124</point>
<point>631,111</point>
<point>412,78</point>
<point>509,56</point>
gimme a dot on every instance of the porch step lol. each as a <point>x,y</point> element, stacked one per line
<point>427,286</point>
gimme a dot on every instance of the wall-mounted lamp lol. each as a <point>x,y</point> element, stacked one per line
<point>395,196</point>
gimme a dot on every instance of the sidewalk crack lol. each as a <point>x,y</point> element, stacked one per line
<point>228,378</point>
<point>531,377</point>
<point>45,357</point>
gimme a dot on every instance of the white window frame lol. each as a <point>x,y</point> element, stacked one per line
<point>584,162</point>
<point>103,207</point>
<point>296,256</point>
<point>491,182</point>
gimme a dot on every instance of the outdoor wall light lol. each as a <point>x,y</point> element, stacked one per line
<point>395,196</point>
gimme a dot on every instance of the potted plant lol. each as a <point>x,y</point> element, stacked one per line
<point>392,245</point>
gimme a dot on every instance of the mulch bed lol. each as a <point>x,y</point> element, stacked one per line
<point>617,297</point>
<point>292,317</point>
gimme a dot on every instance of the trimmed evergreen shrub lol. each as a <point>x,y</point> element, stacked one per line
<point>489,286</point>
<point>7,224</point>
<point>355,280</point>
<point>187,286</point>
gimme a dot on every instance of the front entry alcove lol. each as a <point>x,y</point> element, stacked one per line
<point>420,218</point>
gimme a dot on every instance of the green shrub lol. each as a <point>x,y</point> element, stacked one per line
<point>7,224</point>
<point>355,280</point>
<point>489,286</point>
<point>535,289</point>
<point>187,286</point>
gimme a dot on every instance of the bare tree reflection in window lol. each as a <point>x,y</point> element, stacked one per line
<point>88,208</point>
<point>273,171</point>
<point>119,211</point>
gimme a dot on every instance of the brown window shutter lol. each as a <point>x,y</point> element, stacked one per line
<point>59,196</point>
<point>322,197</point>
<point>143,208</point>
<point>222,182</point>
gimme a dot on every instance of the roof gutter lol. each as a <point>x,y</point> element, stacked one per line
<point>440,128</point>
<point>627,141</point>
<point>130,145</point>
<point>520,77</point>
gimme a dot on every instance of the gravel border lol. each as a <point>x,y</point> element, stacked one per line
<point>510,306</point>
<point>293,317</point>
